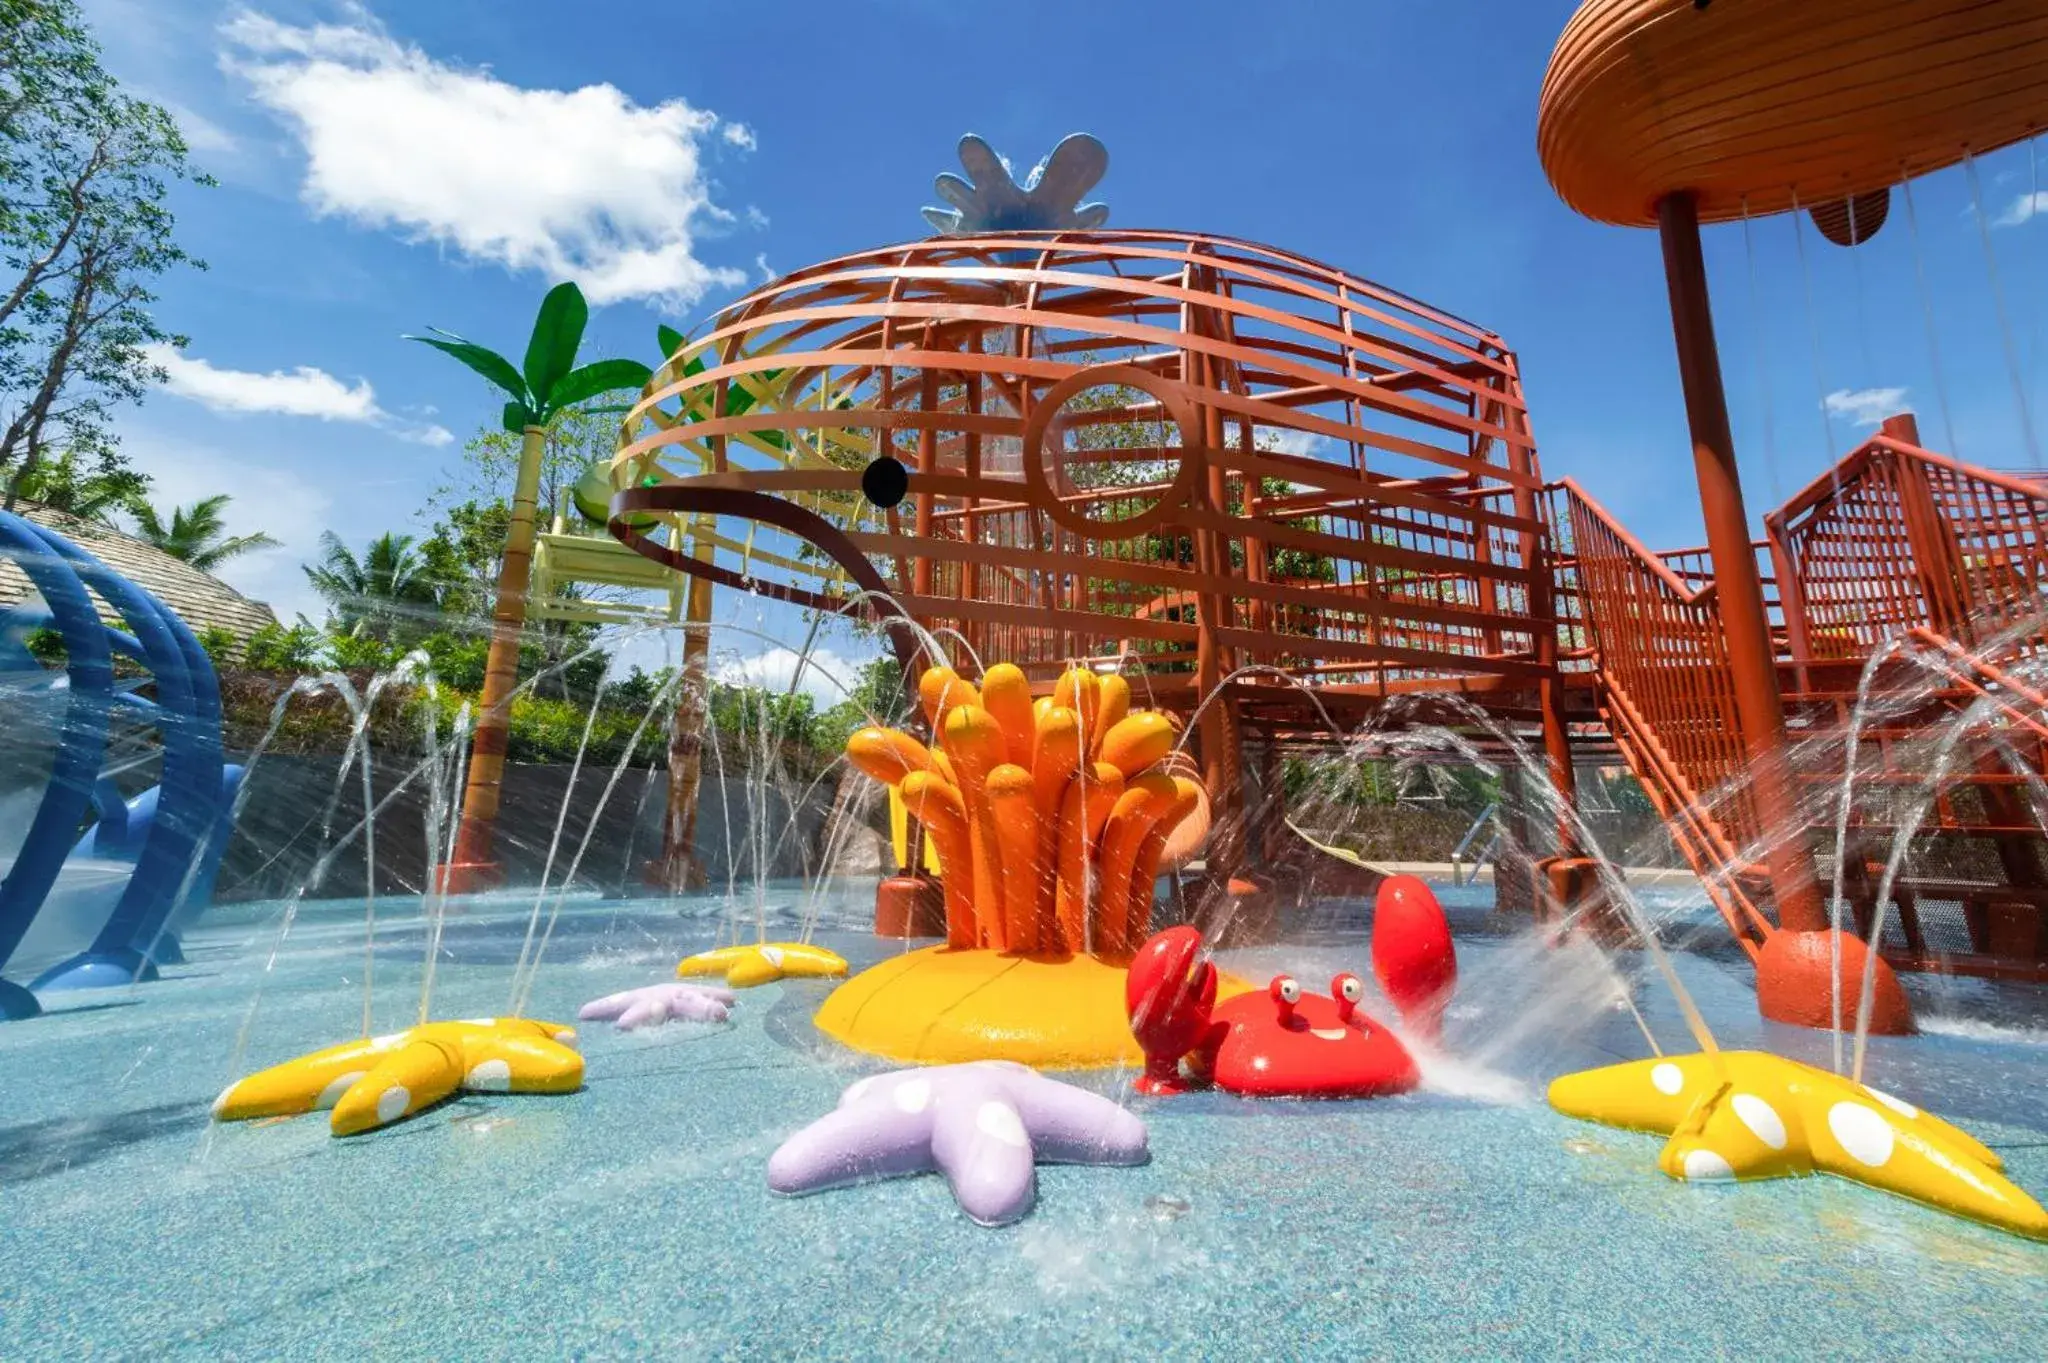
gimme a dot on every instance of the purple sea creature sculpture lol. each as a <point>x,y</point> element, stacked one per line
<point>658,1003</point>
<point>985,1125</point>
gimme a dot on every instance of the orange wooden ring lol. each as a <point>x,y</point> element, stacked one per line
<point>1177,493</point>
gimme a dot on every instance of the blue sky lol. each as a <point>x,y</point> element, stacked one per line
<point>387,166</point>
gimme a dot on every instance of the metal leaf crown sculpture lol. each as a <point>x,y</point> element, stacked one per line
<point>1048,201</point>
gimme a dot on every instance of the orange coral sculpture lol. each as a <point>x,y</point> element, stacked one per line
<point>1050,816</point>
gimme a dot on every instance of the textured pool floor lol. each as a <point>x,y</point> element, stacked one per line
<point>632,1219</point>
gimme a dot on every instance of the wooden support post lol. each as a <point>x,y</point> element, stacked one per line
<point>1751,656</point>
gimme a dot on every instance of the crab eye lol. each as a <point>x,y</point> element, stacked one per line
<point>1285,989</point>
<point>1348,988</point>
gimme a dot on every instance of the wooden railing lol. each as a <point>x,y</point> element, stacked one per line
<point>1896,537</point>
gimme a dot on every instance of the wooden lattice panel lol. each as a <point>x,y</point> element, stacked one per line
<point>1209,452</point>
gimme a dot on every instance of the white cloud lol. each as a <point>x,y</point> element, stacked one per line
<point>739,135</point>
<point>2023,209</point>
<point>305,391</point>
<point>1286,440</point>
<point>268,497</point>
<point>756,219</point>
<point>202,134</point>
<point>826,678</point>
<point>581,184</point>
<point>761,264</point>
<point>1865,406</point>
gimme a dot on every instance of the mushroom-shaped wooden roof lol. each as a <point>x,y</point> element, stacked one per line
<point>201,600</point>
<point>1758,101</point>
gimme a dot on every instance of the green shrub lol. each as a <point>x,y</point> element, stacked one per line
<point>277,649</point>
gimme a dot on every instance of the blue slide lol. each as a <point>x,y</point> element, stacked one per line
<point>174,834</point>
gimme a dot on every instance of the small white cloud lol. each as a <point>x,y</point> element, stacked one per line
<point>2022,210</point>
<point>304,391</point>
<point>739,135</point>
<point>582,184</point>
<point>826,678</point>
<point>1865,406</point>
<point>761,263</point>
<point>201,133</point>
<point>756,218</point>
<point>1286,440</point>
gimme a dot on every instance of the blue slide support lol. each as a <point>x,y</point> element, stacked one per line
<point>81,746</point>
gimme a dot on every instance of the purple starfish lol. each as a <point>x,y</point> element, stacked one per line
<point>985,1125</point>
<point>659,1003</point>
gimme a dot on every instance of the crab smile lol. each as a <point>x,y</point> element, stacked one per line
<point>1330,1033</point>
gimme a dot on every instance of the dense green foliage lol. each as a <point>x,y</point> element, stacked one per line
<point>85,174</point>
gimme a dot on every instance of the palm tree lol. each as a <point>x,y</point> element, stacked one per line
<point>62,486</point>
<point>389,581</point>
<point>549,381</point>
<point>195,533</point>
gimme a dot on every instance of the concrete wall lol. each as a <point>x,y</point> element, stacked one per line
<point>278,838</point>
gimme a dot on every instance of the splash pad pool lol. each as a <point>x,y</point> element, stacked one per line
<point>1467,1216</point>
<point>1419,595</point>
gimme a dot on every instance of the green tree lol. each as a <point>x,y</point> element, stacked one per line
<point>94,494</point>
<point>195,533</point>
<point>84,232</point>
<point>387,592</point>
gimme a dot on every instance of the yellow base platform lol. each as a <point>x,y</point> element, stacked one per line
<point>938,1006</point>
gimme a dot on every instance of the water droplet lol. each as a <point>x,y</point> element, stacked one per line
<point>1166,1207</point>
<point>1579,1145</point>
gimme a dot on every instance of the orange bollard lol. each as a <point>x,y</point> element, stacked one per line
<point>940,690</point>
<point>1080,691</point>
<point>1115,704</point>
<point>976,744</point>
<point>938,806</point>
<point>1144,803</point>
<point>888,755</point>
<point>1137,742</point>
<point>1007,695</point>
<point>1010,808</point>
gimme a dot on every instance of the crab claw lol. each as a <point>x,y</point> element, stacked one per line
<point>1169,998</point>
<point>1412,953</point>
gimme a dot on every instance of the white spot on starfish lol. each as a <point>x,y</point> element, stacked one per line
<point>491,1076</point>
<point>1704,1166</point>
<point>1668,1078</point>
<point>331,1095</point>
<point>999,1122</point>
<point>392,1103</point>
<point>1865,1134</point>
<point>1762,1120</point>
<point>1898,1105</point>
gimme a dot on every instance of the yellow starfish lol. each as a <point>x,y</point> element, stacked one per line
<point>1749,1115</point>
<point>763,963</point>
<point>379,1079</point>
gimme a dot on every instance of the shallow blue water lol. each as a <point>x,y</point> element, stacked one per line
<point>631,1219</point>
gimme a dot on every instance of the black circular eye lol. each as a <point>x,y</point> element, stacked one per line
<point>885,481</point>
<point>1287,989</point>
<point>1351,988</point>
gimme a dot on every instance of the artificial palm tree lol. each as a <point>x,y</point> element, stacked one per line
<point>387,582</point>
<point>195,533</point>
<point>549,381</point>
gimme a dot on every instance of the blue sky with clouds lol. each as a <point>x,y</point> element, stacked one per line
<point>386,166</point>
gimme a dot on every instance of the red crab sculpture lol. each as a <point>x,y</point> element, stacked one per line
<point>1284,1042</point>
